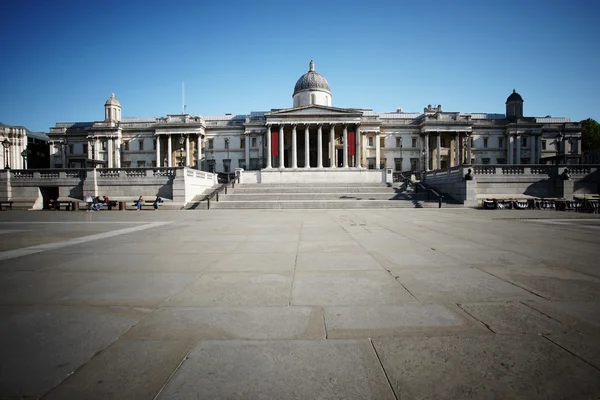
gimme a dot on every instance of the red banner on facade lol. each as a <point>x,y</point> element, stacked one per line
<point>274,144</point>
<point>351,144</point>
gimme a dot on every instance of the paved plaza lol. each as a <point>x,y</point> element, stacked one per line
<point>300,304</point>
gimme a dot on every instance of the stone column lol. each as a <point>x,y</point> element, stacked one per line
<point>509,149</point>
<point>427,152</point>
<point>307,146</point>
<point>518,160</point>
<point>96,149</point>
<point>118,153</point>
<point>332,145</point>
<point>64,148</point>
<point>199,151</point>
<point>357,145</point>
<point>294,147</point>
<point>247,150</point>
<point>377,150</point>
<point>281,147</point>
<point>345,154</point>
<point>269,158</point>
<point>187,150</point>
<point>539,146</point>
<point>438,147</point>
<point>468,149</point>
<point>110,153</point>
<point>457,149</point>
<point>170,151</point>
<point>320,146</point>
<point>90,155</point>
<point>158,162</point>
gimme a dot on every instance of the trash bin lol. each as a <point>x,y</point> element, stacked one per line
<point>121,205</point>
<point>74,206</point>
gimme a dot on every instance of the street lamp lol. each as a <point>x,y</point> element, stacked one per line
<point>181,141</point>
<point>212,161</point>
<point>228,160</point>
<point>6,144</point>
<point>559,139</point>
<point>24,155</point>
<point>401,159</point>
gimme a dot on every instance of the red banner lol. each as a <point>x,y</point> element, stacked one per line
<point>351,144</point>
<point>274,143</point>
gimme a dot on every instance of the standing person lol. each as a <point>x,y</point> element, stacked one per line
<point>89,200</point>
<point>157,202</point>
<point>140,203</point>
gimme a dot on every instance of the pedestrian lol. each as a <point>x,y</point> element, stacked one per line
<point>140,203</point>
<point>89,200</point>
<point>95,203</point>
<point>157,202</point>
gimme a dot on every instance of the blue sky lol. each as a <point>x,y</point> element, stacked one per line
<point>61,60</point>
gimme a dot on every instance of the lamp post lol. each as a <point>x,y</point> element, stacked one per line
<point>6,144</point>
<point>559,139</point>
<point>24,155</point>
<point>212,161</point>
<point>181,141</point>
<point>401,158</point>
<point>93,161</point>
<point>423,166</point>
<point>228,160</point>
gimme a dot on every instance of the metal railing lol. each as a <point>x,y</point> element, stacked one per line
<point>222,188</point>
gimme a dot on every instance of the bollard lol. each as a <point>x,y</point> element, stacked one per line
<point>225,189</point>
<point>121,206</point>
<point>217,197</point>
<point>208,204</point>
<point>440,200</point>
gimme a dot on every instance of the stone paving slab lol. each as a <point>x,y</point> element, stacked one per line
<point>41,346</point>
<point>284,262</point>
<point>583,316</point>
<point>342,246</point>
<point>347,288</point>
<point>513,317</point>
<point>141,289</point>
<point>457,285</point>
<point>336,261</point>
<point>316,369</point>
<point>490,367</point>
<point>270,247</point>
<point>127,369</point>
<point>230,289</point>
<point>214,323</point>
<point>397,320</point>
<point>584,346</point>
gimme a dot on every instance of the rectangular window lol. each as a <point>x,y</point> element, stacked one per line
<point>253,142</point>
<point>371,163</point>
<point>242,143</point>
<point>414,142</point>
<point>85,149</point>
<point>226,165</point>
<point>442,142</point>
<point>543,145</point>
<point>242,163</point>
<point>141,164</point>
<point>523,142</point>
<point>485,161</point>
<point>382,163</point>
<point>125,146</point>
<point>572,146</point>
<point>398,142</point>
<point>382,142</point>
<point>141,141</point>
<point>210,144</point>
<point>104,145</point>
<point>485,143</point>
<point>501,142</point>
<point>254,164</point>
<point>154,144</point>
<point>370,141</point>
<point>397,164</point>
<point>126,164</point>
<point>501,160</point>
<point>414,164</point>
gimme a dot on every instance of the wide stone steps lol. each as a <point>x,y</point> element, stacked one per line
<point>315,196</point>
<point>317,204</point>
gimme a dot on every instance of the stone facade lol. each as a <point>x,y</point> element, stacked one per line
<point>314,135</point>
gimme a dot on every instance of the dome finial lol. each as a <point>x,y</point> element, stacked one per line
<point>112,95</point>
<point>514,90</point>
<point>311,66</point>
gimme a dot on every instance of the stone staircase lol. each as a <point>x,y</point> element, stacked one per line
<point>320,196</point>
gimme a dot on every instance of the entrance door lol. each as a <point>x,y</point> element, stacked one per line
<point>340,157</point>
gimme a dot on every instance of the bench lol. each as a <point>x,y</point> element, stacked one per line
<point>68,205</point>
<point>110,205</point>
<point>147,203</point>
<point>6,204</point>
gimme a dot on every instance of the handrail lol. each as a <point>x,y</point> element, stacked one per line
<point>439,196</point>
<point>219,189</point>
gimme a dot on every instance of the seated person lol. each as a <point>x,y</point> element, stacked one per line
<point>157,202</point>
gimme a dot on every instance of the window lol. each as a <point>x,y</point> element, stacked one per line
<point>370,141</point>
<point>572,146</point>
<point>125,146</point>
<point>242,143</point>
<point>371,163</point>
<point>85,149</point>
<point>141,164</point>
<point>543,145</point>
<point>524,160</point>
<point>398,142</point>
<point>154,144</point>
<point>523,142</point>
<point>210,144</point>
<point>126,164</point>
<point>382,163</point>
<point>141,144</point>
<point>397,164</point>
<point>472,142</point>
<point>242,163</point>
<point>501,160</point>
<point>254,164</point>
<point>485,143</point>
<point>501,142</point>
<point>442,142</point>
<point>485,161</point>
<point>104,145</point>
<point>253,142</point>
<point>414,142</point>
<point>382,142</point>
<point>414,164</point>
<point>226,165</point>
<point>153,163</point>
<point>71,149</point>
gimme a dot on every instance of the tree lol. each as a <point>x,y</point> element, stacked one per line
<point>590,134</point>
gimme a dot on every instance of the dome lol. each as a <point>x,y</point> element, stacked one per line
<point>514,97</point>
<point>112,101</point>
<point>312,81</point>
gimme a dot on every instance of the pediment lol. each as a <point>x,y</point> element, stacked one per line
<point>315,110</point>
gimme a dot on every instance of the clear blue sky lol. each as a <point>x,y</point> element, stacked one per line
<point>61,60</point>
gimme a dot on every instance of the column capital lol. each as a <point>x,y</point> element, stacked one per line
<point>319,124</point>
<point>294,124</point>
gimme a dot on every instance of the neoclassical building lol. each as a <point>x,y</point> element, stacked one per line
<point>314,135</point>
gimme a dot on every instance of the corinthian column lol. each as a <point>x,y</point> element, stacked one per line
<point>357,144</point>
<point>320,146</point>
<point>281,147</point>
<point>332,145</point>
<point>158,162</point>
<point>294,147</point>
<point>345,146</point>
<point>269,157</point>
<point>306,146</point>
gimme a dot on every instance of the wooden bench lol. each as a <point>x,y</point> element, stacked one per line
<point>6,204</point>
<point>147,203</point>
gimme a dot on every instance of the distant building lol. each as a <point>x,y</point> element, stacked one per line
<point>22,148</point>
<point>314,134</point>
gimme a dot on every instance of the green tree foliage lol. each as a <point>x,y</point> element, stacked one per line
<point>590,134</point>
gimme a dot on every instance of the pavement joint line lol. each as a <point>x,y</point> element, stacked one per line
<point>569,351</point>
<point>25,251</point>
<point>514,284</point>
<point>476,319</point>
<point>75,222</point>
<point>294,270</point>
<point>383,369</point>
<point>544,314</point>
<point>176,369</point>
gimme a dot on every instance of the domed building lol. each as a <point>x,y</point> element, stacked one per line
<point>293,144</point>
